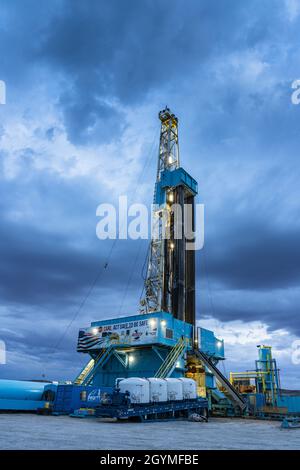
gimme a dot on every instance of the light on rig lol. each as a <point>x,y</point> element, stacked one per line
<point>131,359</point>
<point>152,322</point>
<point>95,331</point>
<point>171,196</point>
<point>163,323</point>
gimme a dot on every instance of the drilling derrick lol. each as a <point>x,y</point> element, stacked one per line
<point>162,341</point>
<point>170,280</point>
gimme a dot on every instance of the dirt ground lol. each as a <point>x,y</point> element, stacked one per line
<point>26,431</point>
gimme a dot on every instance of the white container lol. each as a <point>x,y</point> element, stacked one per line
<point>138,388</point>
<point>158,390</point>
<point>189,388</point>
<point>175,389</point>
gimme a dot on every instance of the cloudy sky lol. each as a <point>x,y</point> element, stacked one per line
<point>85,81</point>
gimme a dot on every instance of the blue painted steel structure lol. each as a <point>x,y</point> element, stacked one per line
<point>137,345</point>
<point>172,179</point>
<point>267,380</point>
<point>69,397</point>
<point>266,398</point>
<point>162,328</point>
<point>290,401</point>
<point>209,344</point>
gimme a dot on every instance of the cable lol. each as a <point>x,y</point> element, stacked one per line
<point>84,299</point>
<point>130,276</point>
<point>104,267</point>
<point>147,162</point>
<point>224,368</point>
<point>144,272</point>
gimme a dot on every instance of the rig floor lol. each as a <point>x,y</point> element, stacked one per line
<point>28,431</point>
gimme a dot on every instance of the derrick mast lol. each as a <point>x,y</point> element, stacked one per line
<point>170,280</point>
<point>162,341</point>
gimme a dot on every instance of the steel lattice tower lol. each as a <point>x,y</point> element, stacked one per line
<point>170,280</point>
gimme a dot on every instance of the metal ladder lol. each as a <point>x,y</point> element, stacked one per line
<point>232,394</point>
<point>85,371</point>
<point>88,372</point>
<point>169,363</point>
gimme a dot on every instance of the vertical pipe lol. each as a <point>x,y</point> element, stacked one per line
<point>164,301</point>
<point>177,275</point>
<point>180,243</point>
<point>190,315</point>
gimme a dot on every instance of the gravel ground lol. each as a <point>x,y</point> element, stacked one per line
<point>26,431</point>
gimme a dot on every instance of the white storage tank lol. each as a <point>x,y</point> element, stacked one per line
<point>189,388</point>
<point>175,389</point>
<point>158,389</point>
<point>138,388</point>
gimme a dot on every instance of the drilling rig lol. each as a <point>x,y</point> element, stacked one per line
<point>162,348</point>
<point>163,341</point>
<point>163,344</point>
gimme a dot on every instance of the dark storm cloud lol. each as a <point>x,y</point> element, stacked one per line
<point>21,32</point>
<point>249,267</point>
<point>55,258</point>
<point>265,119</point>
<point>45,269</point>
<point>125,48</point>
<point>89,118</point>
<point>39,268</point>
<point>101,51</point>
<point>256,256</point>
<point>277,308</point>
<point>111,50</point>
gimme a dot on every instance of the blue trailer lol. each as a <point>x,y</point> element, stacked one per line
<point>118,405</point>
<point>69,397</point>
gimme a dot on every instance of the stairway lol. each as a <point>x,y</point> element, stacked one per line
<point>88,372</point>
<point>85,371</point>
<point>169,363</point>
<point>232,394</point>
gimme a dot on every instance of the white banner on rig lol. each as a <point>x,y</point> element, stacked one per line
<point>130,333</point>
